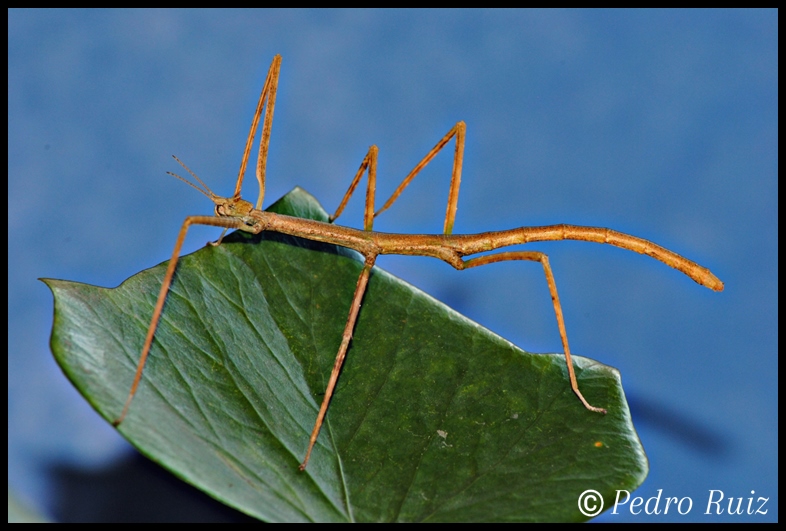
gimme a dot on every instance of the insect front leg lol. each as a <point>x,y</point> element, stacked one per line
<point>162,294</point>
<point>268,95</point>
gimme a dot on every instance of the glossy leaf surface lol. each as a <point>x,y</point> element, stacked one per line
<point>434,417</point>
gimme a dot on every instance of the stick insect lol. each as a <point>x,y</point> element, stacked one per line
<point>236,213</point>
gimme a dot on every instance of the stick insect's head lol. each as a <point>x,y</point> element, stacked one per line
<point>226,207</point>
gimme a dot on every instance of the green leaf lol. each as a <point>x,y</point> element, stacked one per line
<point>434,417</point>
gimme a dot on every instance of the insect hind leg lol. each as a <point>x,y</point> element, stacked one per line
<point>535,256</point>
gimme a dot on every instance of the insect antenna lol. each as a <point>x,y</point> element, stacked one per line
<point>204,190</point>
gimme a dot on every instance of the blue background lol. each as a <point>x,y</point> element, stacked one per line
<point>662,124</point>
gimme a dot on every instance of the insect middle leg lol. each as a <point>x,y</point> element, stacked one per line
<point>536,256</point>
<point>370,163</point>
<point>354,309</point>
